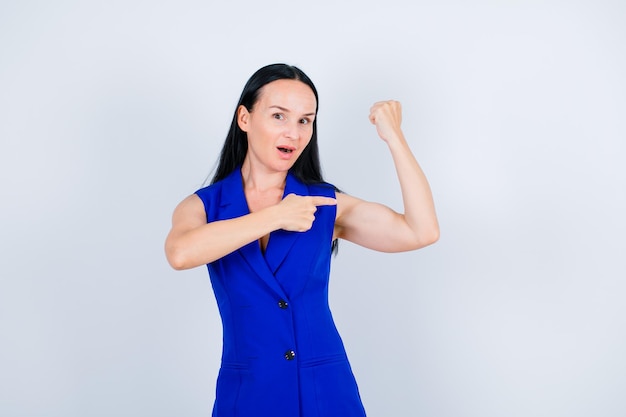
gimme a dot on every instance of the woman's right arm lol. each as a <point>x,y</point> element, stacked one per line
<point>193,242</point>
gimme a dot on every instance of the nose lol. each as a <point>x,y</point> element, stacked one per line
<point>292,130</point>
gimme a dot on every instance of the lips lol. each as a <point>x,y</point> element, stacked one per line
<point>286,149</point>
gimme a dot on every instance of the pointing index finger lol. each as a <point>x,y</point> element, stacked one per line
<point>324,201</point>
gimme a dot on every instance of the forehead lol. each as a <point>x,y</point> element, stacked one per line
<point>290,94</point>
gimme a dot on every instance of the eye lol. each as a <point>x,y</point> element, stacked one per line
<point>305,121</point>
<point>278,116</point>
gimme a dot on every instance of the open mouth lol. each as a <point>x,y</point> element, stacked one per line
<point>285,150</point>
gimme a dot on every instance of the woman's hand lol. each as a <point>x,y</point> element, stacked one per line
<point>297,213</point>
<point>387,117</point>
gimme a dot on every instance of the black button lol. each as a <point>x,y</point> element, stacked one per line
<point>290,355</point>
<point>282,304</point>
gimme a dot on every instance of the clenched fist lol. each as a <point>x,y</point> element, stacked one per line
<point>387,117</point>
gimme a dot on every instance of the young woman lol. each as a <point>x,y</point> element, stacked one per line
<point>266,228</point>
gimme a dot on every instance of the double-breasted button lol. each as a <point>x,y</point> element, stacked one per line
<point>290,355</point>
<point>283,304</point>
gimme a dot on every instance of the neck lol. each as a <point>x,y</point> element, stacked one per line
<point>261,179</point>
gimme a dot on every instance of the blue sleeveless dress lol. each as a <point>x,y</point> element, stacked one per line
<point>282,354</point>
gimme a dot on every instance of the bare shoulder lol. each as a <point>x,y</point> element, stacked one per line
<point>346,219</point>
<point>345,203</point>
<point>189,212</point>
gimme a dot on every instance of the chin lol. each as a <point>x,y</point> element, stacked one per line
<point>284,165</point>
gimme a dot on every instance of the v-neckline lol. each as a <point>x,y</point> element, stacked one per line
<point>280,241</point>
<point>261,247</point>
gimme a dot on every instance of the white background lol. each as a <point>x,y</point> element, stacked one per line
<point>112,112</point>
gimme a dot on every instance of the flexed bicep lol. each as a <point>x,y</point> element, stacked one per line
<point>372,225</point>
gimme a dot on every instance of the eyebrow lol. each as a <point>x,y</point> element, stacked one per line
<point>288,111</point>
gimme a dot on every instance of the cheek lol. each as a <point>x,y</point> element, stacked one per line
<point>308,135</point>
<point>305,144</point>
<point>260,134</point>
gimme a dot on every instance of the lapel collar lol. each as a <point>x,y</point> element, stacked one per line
<point>281,240</point>
<point>232,199</point>
<point>233,204</point>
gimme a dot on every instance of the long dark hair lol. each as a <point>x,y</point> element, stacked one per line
<point>307,167</point>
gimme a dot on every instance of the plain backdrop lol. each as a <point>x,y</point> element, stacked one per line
<point>112,112</point>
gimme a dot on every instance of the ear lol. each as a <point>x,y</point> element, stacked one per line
<point>243,117</point>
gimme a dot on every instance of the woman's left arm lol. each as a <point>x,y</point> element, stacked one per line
<point>376,226</point>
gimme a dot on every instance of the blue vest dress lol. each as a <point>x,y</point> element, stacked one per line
<point>282,355</point>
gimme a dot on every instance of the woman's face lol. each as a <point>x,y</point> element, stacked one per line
<point>280,124</point>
